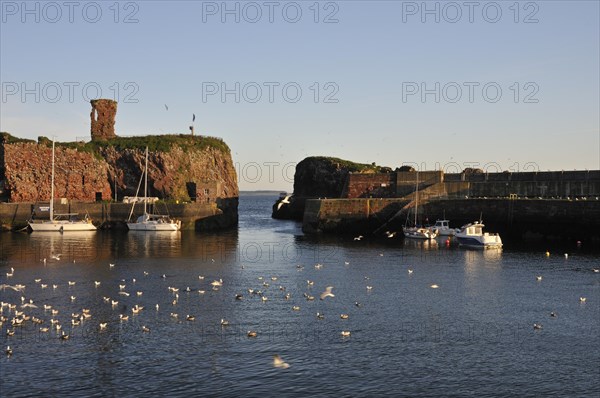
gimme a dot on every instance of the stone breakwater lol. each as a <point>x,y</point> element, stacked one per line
<point>193,216</point>
<point>337,196</point>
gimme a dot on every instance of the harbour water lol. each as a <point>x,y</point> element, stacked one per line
<point>473,335</point>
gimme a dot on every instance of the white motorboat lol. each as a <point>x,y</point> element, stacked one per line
<point>147,221</point>
<point>472,235</point>
<point>443,228</point>
<point>60,222</point>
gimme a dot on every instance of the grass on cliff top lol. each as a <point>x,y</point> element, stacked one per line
<point>165,142</point>
<point>10,139</point>
<point>349,165</point>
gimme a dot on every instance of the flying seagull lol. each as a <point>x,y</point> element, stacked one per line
<point>193,117</point>
<point>166,107</point>
<point>327,293</point>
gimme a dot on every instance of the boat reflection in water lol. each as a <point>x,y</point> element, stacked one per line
<point>155,243</point>
<point>424,244</point>
<point>68,246</point>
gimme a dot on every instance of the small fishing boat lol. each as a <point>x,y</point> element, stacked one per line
<point>443,228</point>
<point>472,235</point>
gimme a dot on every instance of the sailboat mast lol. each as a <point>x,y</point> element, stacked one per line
<point>146,184</point>
<point>417,199</point>
<point>52,186</point>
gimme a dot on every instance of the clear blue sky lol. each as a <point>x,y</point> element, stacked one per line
<point>374,58</point>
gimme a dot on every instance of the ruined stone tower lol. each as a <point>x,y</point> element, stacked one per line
<point>103,119</point>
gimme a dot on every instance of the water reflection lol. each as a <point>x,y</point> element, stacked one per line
<point>106,246</point>
<point>474,258</point>
<point>431,244</point>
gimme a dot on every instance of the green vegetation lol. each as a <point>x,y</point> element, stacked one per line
<point>9,139</point>
<point>164,143</point>
<point>350,166</point>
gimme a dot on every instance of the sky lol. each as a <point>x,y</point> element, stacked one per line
<point>502,85</point>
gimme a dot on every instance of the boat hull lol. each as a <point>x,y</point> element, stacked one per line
<point>61,226</point>
<point>478,242</point>
<point>154,226</point>
<point>419,233</point>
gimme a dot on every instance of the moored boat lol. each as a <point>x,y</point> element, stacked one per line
<point>472,235</point>
<point>60,222</point>
<point>148,221</point>
<point>442,227</point>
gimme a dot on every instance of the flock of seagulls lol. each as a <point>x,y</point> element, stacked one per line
<point>54,319</point>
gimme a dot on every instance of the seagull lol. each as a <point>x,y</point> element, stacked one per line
<point>553,314</point>
<point>103,325</point>
<point>537,326</point>
<point>327,293</point>
<point>217,283</point>
<point>295,308</point>
<point>369,288</point>
<point>410,271</point>
<point>359,237</point>
<point>279,363</point>
<point>224,322</point>
<point>157,307</point>
<point>8,350</point>
<point>344,316</point>
<point>190,318</point>
<point>252,333</point>
<point>582,299</point>
<point>538,278</point>
<point>346,263</point>
<point>434,286</point>
<point>166,107</point>
<point>111,265</point>
<point>64,336</point>
<point>56,256</point>
<point>345,333</point>
<point>320,315</point>
<point>145,329</point>
<point>71,283</point>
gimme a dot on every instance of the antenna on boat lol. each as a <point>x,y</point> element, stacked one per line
<point>481,217</point>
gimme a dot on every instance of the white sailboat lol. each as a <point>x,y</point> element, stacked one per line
<point>151,222</point>
<point>417,232</point>
<point>60,222</point>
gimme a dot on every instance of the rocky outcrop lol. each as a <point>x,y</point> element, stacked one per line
<point>102,118</point>
<point>172,172</point>
<point>318,177</point>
